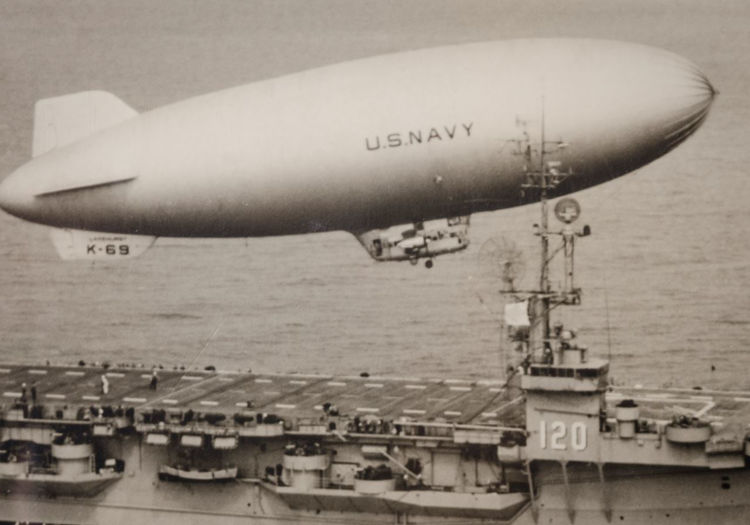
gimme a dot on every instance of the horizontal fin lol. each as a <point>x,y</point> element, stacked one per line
<point>79,244</point>
<point>60,121</point>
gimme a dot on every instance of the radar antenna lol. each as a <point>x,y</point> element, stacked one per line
<point>500,259</point>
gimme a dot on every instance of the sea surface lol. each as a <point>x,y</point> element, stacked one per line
<point>666,273</point>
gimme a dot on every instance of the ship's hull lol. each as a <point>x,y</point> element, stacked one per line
<point>643,498</point>
<point>458,450</point>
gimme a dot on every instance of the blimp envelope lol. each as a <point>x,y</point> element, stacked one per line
<point>362,145</point>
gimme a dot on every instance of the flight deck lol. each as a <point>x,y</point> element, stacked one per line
<point>294,398</point>
<point>289,397</point>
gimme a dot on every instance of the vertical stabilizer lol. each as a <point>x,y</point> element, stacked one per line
<point>79,244</point>
<point>62,120</point>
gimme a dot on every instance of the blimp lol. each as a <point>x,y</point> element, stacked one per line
<point>399,139</point>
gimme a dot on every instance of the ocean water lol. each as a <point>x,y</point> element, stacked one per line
<point>666,273</point>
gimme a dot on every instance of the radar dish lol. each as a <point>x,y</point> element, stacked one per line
<point>502,260</point>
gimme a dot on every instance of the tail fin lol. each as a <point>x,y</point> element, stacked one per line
<point>62,120</point>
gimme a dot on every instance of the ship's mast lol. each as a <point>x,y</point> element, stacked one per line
<point>542,176</point>
<point>544,284</point>
<point>537,176</point>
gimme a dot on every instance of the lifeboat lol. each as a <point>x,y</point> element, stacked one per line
<point>183,473</point>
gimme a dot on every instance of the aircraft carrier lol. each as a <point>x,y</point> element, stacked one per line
<point>553,443</point>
